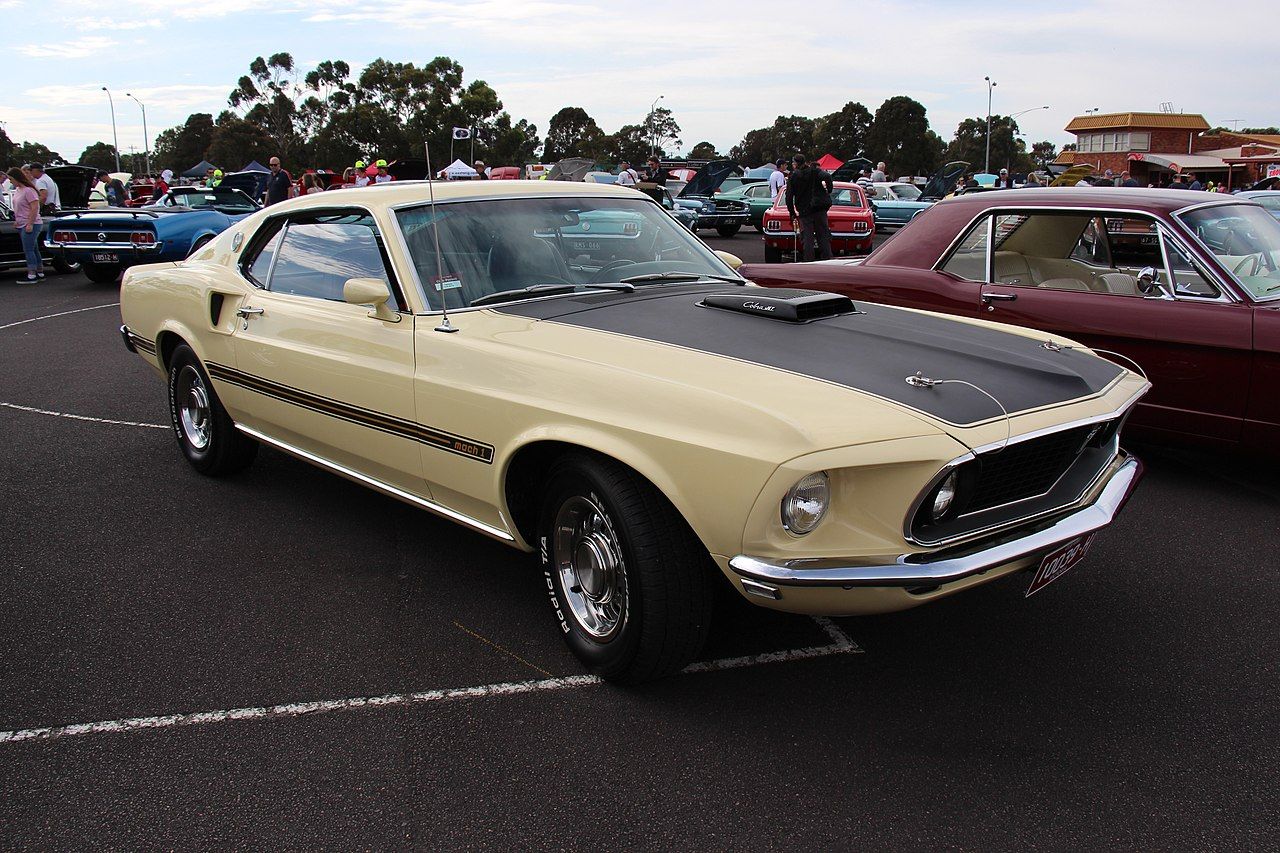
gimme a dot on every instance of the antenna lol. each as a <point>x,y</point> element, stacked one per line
<point>435,235</point>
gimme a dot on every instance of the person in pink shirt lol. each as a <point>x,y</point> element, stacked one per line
<point>26,210</point>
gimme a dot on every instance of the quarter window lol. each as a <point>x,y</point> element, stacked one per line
<point>969,260</point>
<point>260,268</point>
<point>318,255</point>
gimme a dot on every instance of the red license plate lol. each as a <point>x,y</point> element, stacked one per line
<point>1059,562</point>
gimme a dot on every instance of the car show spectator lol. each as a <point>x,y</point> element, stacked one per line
<point>1178,182</point>
<point>777,179</point>
<point>808,199</point>
<point>627,176</point>
<point>116,196</point>
<point>162,184</point>
<point>208,176</point>
<point>656,173</point>
<point>1195,182</point>
<point>311,184</point>
<point>381,176</point>
<point>1003,181</point>
<point>1032,182</point>
<point>26,218</point>
<point>878,175</point>
<point>362,174</point>
<point>278,185</point>
<point>1126,180</point>
<point>50,201</point>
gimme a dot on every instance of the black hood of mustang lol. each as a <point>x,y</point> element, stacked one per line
<point>708,179</point>
<point>870,348</point>
<point>75,183</point>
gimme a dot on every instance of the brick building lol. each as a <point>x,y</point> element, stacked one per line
<point>1152,146</point>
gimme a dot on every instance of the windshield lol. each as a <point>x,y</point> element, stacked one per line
<point>1270,202</point>
<point>509,244</point>
<point>905,192</point>
<point>846,197</point>
<point>216,198</point>
<point>1246,241</point>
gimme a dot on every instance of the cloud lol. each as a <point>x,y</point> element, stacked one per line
<point>175,97</point>
<point>76,49</point>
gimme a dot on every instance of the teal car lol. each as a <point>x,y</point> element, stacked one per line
<point>757,197</point>
<point>895,202</point>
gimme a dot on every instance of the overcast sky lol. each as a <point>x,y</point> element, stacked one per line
<point>724,68</point>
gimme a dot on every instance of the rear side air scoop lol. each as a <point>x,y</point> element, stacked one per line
<point>789,306</point>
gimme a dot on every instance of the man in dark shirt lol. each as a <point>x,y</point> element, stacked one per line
<point>1178,183</point>
<point>808,199</point>
<point>657,174</point>
<point>1126,180</point>
<point>278,184</point>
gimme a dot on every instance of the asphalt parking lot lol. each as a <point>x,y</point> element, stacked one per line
<point>286,660</point>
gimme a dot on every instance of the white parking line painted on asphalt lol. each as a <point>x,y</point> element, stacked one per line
<point>59,314</point>
<point>841,644</point>
<point>36,411</point>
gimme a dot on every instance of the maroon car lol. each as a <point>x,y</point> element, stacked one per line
<point>1186,284</point>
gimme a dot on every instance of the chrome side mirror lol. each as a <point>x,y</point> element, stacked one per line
<point>370,291</point>
<point>1148,280</point>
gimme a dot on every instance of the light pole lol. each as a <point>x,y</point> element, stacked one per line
<point>991,84</point>
<point>146,144</point>
<point>115,141</point>
<point>653,130</point>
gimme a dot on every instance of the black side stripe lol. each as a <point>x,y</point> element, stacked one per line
<point>439,439</point>
<point>142,343</point>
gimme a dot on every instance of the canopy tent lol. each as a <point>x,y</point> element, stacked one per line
<point>198,170</point>
<point>254,166</point>
<point>829,163</point>
<point>458,169</point>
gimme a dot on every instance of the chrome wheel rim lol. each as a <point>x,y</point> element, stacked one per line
<point>194,411</point>
<point>588,560</point>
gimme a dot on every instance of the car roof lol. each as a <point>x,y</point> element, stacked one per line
<point>411,192</point>
<point>1153,200</point>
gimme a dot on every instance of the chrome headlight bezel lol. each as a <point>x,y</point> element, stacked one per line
<point>806,503</point>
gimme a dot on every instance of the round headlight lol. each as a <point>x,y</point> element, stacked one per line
<point>806,503</point>
<point>944,497</point>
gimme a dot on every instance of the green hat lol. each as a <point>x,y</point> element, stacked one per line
<point>381,164</point>
<point>359,164</point>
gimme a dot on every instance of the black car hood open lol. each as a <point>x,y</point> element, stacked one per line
<point>850,169</point>
<point>252,184</point>
<point>943,181</point>
<point>74,185</point>
<point>708,179</point>
<point>872,350</point>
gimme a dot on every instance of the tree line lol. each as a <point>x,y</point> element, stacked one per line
<point>330,117</point>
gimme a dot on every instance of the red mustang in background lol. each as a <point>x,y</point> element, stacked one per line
<point>851,219</point>
<point>1185,284</point>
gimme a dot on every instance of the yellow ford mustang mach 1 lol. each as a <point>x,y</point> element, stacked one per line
<point>564,368</point>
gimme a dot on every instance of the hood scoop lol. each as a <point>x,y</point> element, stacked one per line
<point>789,306</point>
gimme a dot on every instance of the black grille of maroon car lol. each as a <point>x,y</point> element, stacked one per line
<point>1024,479</point>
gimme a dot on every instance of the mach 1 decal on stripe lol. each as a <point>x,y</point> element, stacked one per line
<point>364,417</point>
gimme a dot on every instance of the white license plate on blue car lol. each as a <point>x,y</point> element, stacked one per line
<point>106,258</point>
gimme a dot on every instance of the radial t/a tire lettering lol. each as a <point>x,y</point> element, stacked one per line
<point>205,432</point>
<point>628,581</point>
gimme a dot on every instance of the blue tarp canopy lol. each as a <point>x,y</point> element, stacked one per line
<point>198,170</point>
<point>254,166</point>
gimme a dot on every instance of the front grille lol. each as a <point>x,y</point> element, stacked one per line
<point>1023,470</point>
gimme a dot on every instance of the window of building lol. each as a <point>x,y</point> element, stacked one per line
<point>1139,141</point>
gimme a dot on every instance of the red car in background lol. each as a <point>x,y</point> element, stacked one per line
<point>850,217</point>
<point>1185,284</point>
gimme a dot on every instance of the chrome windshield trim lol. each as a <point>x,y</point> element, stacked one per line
<point>386,488</point>
<point>1203,249</point>
<point>910,570</point>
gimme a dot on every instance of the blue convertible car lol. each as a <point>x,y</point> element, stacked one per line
<point>107,241</point>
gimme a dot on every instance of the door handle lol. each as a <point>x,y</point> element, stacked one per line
<point>244,312</point>
<point>988,298</point>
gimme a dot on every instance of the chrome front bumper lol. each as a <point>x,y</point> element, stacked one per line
<point>769,578</point>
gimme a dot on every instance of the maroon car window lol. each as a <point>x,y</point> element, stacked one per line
<point>1188,278</point>
<point>969,259</point>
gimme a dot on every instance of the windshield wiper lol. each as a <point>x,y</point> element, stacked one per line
<point>679,276</point>
<point>543,290</point>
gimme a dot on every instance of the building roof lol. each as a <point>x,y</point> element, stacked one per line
<point>1237,154</point>
<point>1181,161</point>
<point>1065,158</point>
<point>1104,121</point>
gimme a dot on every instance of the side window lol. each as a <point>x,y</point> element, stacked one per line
<point>1092,248</point>
<point>318,255</point>
<point>1188,278</point>
<point>969,260</point>
<point>259,267</point>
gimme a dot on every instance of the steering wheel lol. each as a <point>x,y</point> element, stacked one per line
<point>609,267</point>
<point>1255,260</point>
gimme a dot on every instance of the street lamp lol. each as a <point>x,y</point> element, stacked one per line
<point>991,84</point>
<point>653,130</point>
<point>114,139</point>
<point>1024,112</point>
<point>146,145</point>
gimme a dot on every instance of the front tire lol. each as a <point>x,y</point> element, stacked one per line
<point>629,582</point>
<point>205,432</point>
<point>728,230</point>
<point>101,273</point>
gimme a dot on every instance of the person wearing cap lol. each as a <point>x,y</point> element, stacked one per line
<point>50,201</point>
<point>362,173</point>
<point>1003,181</point>
<point>216,179</point>
<point>626,175</point>
<point>162,184</point>
<point>381,177</point>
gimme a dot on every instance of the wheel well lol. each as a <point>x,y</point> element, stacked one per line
<point>166,344</point>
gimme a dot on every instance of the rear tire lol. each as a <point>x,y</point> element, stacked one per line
<point>728,230</point>
<point>199,244</point>
<point>101,273</point>
<point>66,267</point>
<point>206,434</point>
<point>629,582</point>
<point>772,254</point>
